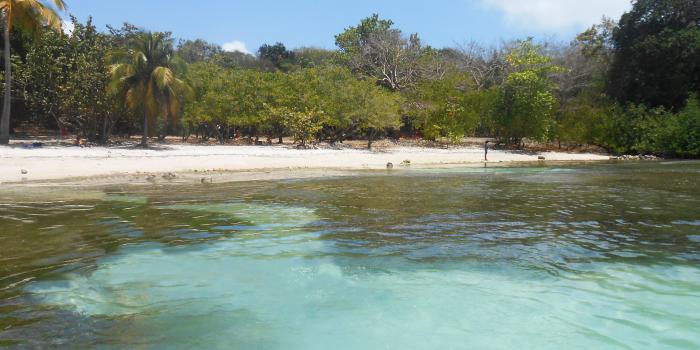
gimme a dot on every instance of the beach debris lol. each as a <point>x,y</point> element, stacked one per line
<point>169,176</point>
<point>24,172</point>
<point>541,158</point>
<point>406,163</point>
<point>390,165</point>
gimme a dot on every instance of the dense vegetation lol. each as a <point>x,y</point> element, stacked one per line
<point>630,86</point>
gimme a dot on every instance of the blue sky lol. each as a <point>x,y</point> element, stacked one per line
<point>245,25</point>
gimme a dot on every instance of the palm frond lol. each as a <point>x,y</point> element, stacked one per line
<point>163,77</point>
<point>32,15</point>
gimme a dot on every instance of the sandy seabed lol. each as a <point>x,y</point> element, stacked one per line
<point>54,164</point>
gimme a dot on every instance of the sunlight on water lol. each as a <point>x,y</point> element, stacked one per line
<point>293,299</point>
<point>590,257</point>
<point>282,290</point>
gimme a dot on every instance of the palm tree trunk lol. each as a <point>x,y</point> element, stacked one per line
<point>7,103</point>
<point>144,138</point>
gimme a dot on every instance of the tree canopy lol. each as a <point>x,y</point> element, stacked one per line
<point>656,58</point>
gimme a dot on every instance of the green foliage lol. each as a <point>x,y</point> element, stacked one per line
<point>66,80</point>
<point>585,120</point>
<point>353,39</point>
<point>683,132</point>
<point>351,106</point>
<point>144,77</point>
<point>302,103</point>
<point>446,107</point>
<point>277,55</point>
<point>197,50</point>
<point>307,57</point>
<point>638,129</point>
<point>304,125</point>
<point>44,75</point>
<point>225,96</point>
<point>31,17</point>
<point>378,77</point>
<point>526,104</point>
<point>374,50</point>
<point>86,103</point>
<point>657,50</point>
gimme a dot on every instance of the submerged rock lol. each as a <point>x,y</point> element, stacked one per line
<point>390,165</point>
<point>636,157</point>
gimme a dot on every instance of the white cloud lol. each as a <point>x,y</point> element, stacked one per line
<point>557,14</point>
<point>234,46</point>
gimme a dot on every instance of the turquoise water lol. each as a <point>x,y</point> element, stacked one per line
<point>600,256</point>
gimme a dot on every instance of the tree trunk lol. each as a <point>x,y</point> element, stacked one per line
<point>370,139</point>
<point>104,137</point>
<point>163,131</point>
<point>144,138</point>
<point>7,102</point>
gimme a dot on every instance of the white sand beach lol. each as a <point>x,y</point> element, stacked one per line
<point>51,163</point>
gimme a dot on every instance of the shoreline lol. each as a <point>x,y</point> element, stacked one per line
<point>57,165</point>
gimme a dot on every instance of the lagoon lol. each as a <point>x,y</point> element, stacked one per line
<point>601,256</point>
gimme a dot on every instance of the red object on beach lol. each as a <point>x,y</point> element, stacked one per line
<point>64,132</point>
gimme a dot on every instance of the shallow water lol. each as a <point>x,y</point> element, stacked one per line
<point>599,256</point>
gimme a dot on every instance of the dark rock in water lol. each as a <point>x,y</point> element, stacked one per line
<point>541,158</point>
<point>24,172</point>
<point>406,163</point>
<point>169,176</point>
<point>205,180</point>
<point>390,165</point>
<point>151,178</point>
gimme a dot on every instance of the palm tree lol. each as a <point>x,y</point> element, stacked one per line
<point>31,16</point>
<point>144,76</point>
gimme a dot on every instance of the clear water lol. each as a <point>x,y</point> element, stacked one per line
<point>583,257</point>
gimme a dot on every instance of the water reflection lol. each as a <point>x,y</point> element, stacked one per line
<point>582,257</point>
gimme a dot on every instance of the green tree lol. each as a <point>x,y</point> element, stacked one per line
<point>444,107</point>
<point>351,107</point>
<point>375,50</point>
<point>277,55</point>
<point>304,125</point>
<point>199,50</point>
<point>228,98</point>
<point>657,54</point>
<point>66,80</point>
<point>44,76</point>
<point>145,77</point>
<point>85,101</point>
<point>526,103</point>
<point>30,16</point>
<point>307,57</point>
<point>380,110</point>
